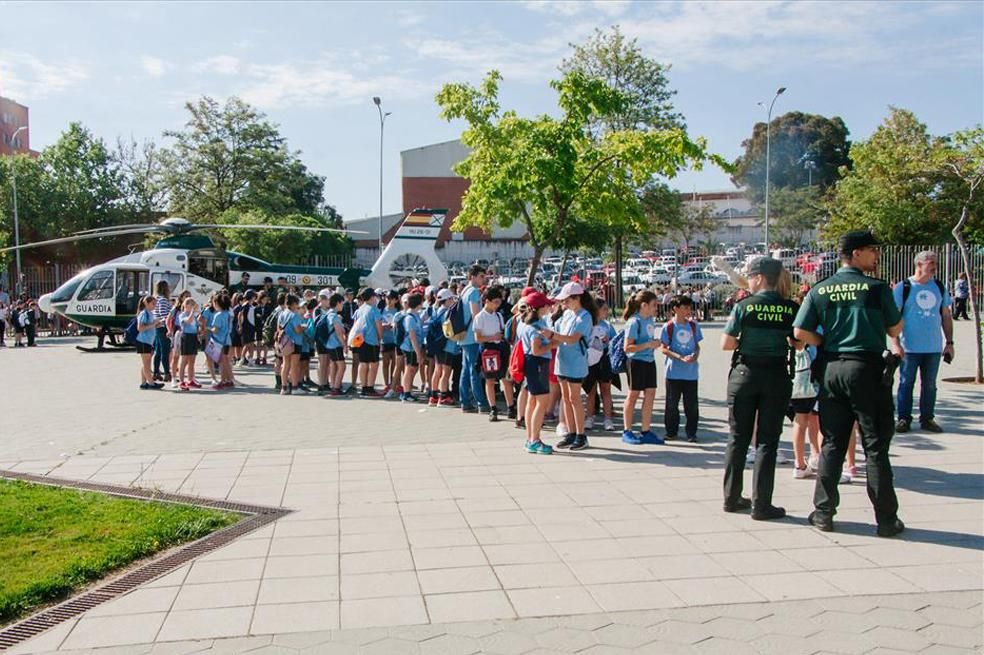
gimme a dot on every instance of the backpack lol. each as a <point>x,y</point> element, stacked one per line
<point>355,337</point>
<point>804,384</point>
<point>322,329</point>
<point>616,352</point>
<point>169,321</point>
<point>517,363</point>
<point>399,329</point>
<point>455,323</point>
<point>435,339</point>
<point>270,328</point>
<point>130,333</point>
<point>907,289</point>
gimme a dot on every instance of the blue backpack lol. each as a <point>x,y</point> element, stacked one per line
<point>322,329</point>
<point>131,332</point>
<point>435,339</point>
<point>616,352</point>
<point>399,329</point>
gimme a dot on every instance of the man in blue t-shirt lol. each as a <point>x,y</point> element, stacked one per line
<point>680,339</point>
<point>472,388</point>
<point>927,319</point>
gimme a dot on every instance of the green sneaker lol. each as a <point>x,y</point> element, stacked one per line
<point>538,448</point>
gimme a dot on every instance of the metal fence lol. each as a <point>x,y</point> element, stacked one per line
<point>898,263</point>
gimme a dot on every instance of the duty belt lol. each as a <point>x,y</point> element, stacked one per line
<point>762,362</point>
<point>862,356</point>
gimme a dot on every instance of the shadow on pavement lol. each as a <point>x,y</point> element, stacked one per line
<point>940,483</point>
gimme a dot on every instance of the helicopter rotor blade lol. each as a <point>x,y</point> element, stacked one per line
<point>150,227</point>
<point>277,227</point>
<point>76,237</point>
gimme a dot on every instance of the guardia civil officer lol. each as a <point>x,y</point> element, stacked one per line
<point>759,386</point>
<point>856,312</point>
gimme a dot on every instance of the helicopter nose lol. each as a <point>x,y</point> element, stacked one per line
<point>44,302</point>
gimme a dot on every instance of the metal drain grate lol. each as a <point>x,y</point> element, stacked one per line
<point>256,517</point>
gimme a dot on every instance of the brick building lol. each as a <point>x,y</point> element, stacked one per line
<point>13,115</point>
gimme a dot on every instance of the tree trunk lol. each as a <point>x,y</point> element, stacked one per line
<point>563,265</point>
<point>972,299</point>
<point>534,264</point>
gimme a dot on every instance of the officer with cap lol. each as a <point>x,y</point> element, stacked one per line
<point>855,312</point>
<point>759,386</point>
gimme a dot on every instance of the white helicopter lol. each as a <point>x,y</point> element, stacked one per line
<point>106,296</point>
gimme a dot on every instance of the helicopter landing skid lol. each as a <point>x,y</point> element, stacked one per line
<point>101,343</point>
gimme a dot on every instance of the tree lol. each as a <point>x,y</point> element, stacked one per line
<point>963,163</point>
<point>662,208</point>
<point>894,186</point>
<point>31,201</point>
<point>551,172</point>
<point>796,138</point>
<point>696,220</point>
<point>282,246</point>
<point>142,170</point>
<point>795,212</point>
<point>231,157</point>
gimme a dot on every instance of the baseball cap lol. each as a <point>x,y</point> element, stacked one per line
<point>527,291</point>
<point>324,293</point>
<point>856,239</point>
<point>537,300</point>
<point>764,266</point>
<point>568,290</point>
<point>445,294</point>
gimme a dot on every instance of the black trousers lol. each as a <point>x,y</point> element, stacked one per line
<point>960,308</point>
<point>31,330</point>
<point>757,401</point>
<point>671,412</point>
<point>852,390</point>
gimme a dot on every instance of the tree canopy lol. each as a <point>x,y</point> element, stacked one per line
<point>552,173</point>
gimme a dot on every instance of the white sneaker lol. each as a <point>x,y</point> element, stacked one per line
<point>846,477</point>
<point>802,473</point>
<point>609,425</point>
<point>389,394</point>
<point>589,423</point>
<point>750,458</point>
<point>814,463</point>
<point>561,430</point>
<point>175,383</point>
<point>780,458</point>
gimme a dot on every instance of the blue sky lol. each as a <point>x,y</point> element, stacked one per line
<point>127,68</point>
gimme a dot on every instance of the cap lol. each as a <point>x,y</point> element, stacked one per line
<point>429,290</point>
<point>537,300</point>
<point>527,291</point>
<point>324,293</point>
<point>380,291</point>
<point>764,266</point>
<point>856,239</point>
<point>568,290</point>
<point>444,294</point>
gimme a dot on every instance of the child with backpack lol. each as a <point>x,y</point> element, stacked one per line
<point>600,373</point>
<point>263,311</point>
<point>173,326</point>
<point>367,331</point>
<point>493,351</point>
<point>221,334</point>
<point>400,333</point>
<point>680,339</point>
<point>247,326</point>
<point>306,345</point>
<point>290,338</point>
<point>388,347</point>
<point>517,362</point>
<point>806,418</point>
<point>571,334</point>
<point>335,344</point>
<point>535,338</point>
<point>411,344</point>
<point>639,346</point>
<point>236,337</point>
<point>271,336</point>
<point>186,340</point>
<point>441,351</point>
<point>146,335</point>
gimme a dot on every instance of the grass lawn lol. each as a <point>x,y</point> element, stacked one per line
<point>54,541</point>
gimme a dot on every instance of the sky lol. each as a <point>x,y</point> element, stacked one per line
<point>126,69</point>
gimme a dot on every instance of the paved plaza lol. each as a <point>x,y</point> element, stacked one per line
<point>423,530</point>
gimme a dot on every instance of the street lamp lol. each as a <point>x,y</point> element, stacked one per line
<point>768,154</point>
<point>13,183</point>
<point>382,123</point>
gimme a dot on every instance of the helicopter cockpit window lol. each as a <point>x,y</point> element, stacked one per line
<point>65,292</point>
<point>98,287</point>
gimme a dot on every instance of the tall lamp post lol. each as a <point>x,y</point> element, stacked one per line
<point>382,123</point>
<point>13,183</point>
<point>768,157</point>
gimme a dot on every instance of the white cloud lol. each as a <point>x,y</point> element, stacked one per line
<point>557,7</point>
<point>154,66</point>
<point>26,77</point>
<point>407,18</point>
<point>220,64</point>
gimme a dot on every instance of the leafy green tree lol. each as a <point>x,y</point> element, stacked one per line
<point>282,246</point>
<point>229,156</point>
<point>31,202</point>
<point>142,170</point>
<point>796,139</point>
<point>795,213</point>
<point>662,208</point>
<point>695,221</point>
<point>894,186</point>
<point>551,172</point>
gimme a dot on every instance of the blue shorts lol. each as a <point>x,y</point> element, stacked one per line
<point>536,370</point>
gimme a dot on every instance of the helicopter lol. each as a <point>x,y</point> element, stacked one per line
<point>106,296</point>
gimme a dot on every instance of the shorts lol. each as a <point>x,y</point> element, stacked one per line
<point>444,358</point>
<point>320,349</point>
<point>189,345</point>
<point>237,339</point>
<point>368,353</point>
<point>411,358</point>
<point>249,334</point>
<point>305,355</point>
<point>389,347</point>
<point>803,405</point>
<point>145,348</point>
<point>536,370</point>
<point>565,378</point>
<point>225,350</point>
<point>335,354</point>
<point>642,374</point>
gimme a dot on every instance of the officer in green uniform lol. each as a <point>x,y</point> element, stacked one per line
<point>759,387</point>
<point>856,312</point>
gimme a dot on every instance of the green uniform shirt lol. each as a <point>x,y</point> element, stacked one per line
<point>762,322</point>
<point>853,310</point>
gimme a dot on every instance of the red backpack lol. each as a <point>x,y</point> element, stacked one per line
<point>517,362</point>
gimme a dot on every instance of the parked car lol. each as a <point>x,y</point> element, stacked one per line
<point>658,275</point>
<point>700,277</point>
